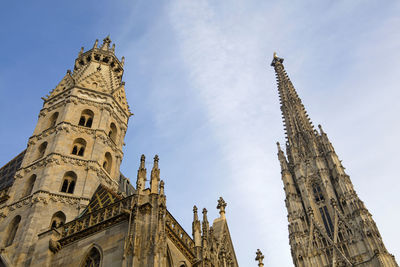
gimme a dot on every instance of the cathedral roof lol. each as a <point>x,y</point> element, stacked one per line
<point>7,172</point>
<point>102,197</point>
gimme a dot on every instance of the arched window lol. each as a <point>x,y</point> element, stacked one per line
<point>86,118</point>
<point>318,195</point>
<point>78,147</point>
<point>29,185</point>
<point>12,230</point>
<point>58,219</point>
<point>107,163</point>
<point>92,259</point>
<point>42,150</point>
<point>113,132</point>
<point>68,184</point>
<point>53,119</point>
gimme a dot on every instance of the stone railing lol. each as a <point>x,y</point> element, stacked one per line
<point>179,231</point>
<point>94,221</point>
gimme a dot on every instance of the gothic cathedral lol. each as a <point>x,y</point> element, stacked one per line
<point>328,224</point>
<point>65,195</point>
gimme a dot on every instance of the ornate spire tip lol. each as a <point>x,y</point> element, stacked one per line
<point>276,59</point>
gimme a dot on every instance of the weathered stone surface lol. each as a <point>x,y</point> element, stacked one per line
<point>67,204</point>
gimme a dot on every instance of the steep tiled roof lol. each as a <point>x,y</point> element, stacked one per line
<point>7,172</point>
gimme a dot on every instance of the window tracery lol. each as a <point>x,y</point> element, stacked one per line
<point>86,118</point>
<point>78,147</point>
<point>68,184</point>
<point>93,258</point>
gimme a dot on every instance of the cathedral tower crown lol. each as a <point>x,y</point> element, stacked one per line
<point>102,54</point>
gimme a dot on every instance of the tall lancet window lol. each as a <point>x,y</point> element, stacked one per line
<point>12,230</point>
<point>317,193</point>
<point>326,218</point>
<point>323,210</point>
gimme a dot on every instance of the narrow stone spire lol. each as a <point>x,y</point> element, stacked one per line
<point>297,124</point>
<point>162,187</point>
<point>141,176</point>
<point>320,129</point>
<point>122,61</point>
<point>81,51</point>
<point>282,158</point>
<point>195,215</point>
<point>196,229</point>
<point>113,48</point>
<point>221,206</point>
<point>205,225</point>
<point>320,198</point>
<point>96,43</point>
<point>155,176</point>
<point>259,258</point>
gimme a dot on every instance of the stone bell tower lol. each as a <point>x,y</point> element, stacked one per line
<point>328,223</point>
<point>76,145</point>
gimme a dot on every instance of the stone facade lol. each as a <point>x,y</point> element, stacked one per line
<point>64,195</point>
<point>328,224</point>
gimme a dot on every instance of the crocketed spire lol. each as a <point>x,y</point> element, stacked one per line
<point>296,121</point>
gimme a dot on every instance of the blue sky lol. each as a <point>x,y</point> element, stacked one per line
<point>204,97</point>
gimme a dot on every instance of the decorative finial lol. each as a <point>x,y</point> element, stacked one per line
<point>204,214</point>
<point>122,61</point>
<point>279,146</point>
<point>195,215</point>
<point>276,59</point>
<point>142,161</point>
<point>161,187</point>
<point>113,48</point>
<point>156,159</point>
<point>81,51</point>
<point>259,258</point>
<point>106,43</point>
<point>221,206</point>
<point>96,43</point>
<point>320,129</point>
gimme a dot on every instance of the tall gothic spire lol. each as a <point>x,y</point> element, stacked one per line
<point>296,121</point>
<point>328,223</point>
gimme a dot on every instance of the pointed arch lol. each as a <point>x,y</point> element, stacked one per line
<point>170,263</point>
<point>29,186</point>
<point>12,230</point>
<point>93,258</point>
<point>113,132</point>
<point>58,219</point>
<point>107,163</point>
<point>53,120</point>
<point>41,150</point>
